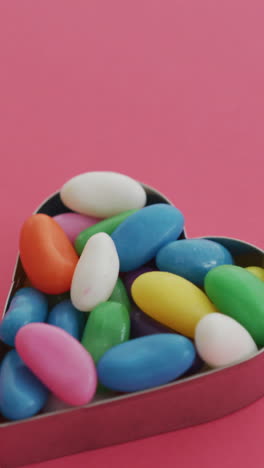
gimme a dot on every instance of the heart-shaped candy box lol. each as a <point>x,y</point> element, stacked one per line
<point>186,402</point>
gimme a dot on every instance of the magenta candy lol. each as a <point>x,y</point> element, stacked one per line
<point>59,361</point>
<point>74,223</point>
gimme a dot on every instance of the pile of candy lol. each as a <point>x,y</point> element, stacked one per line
<point>117,301</point>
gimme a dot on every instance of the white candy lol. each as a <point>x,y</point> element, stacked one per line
<point>221,340</point>
<point>96,273</point>
<point>102,194</point>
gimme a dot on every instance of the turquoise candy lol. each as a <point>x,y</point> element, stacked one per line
<point>28,305</point>
<point>141,235</point>
<point>65,316</point>
<point>22,395</point>
<point>146,362</point>
<point>192,258</point>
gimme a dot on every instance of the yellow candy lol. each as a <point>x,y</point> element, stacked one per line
<point>171,300</point>
<point>257,271</point>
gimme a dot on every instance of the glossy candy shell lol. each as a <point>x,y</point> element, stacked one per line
<point>59,361</point>
<point>170,407</point>
<point>240,295</point>
<point>27,306</point>
<point>171,300</point>
<point>108,325</point>
<point>141,235</point>
<point>107,225</point>
<point>22,395</point>
<point>74,223</point>
<point>192,258</point>
<point>64,315</point>
<point>47,254</point>
<point>120,295</point>
<point>146,362</point>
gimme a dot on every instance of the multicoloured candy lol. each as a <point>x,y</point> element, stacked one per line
<point>141,235</point>
<point>240,295</point>
<point>141,307</point>
<point>171,300</point>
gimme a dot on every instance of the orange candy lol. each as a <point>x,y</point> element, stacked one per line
<point>47,255</point>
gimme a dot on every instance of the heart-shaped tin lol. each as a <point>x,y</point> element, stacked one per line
<point>189,401</point>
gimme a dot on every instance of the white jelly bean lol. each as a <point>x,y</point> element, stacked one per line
<point>102,194</point>
<point>221,340</point>
<point>96,273</point>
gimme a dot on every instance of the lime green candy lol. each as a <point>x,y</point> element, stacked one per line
<point>108,325</point>
<point>119,294</point>
<point>107,225</point>
<point>240,295</point>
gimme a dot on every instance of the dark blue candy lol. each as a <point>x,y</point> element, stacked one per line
<point>21,394</point>
<point>28,305</point>
<point>146,362</point>
<point>65,316</point>
<point>192,258</point>
<point>142,324</point>
<point>141,235</point>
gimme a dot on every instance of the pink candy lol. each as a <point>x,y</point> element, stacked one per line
<point>74,223</point>
<point>59,361</point>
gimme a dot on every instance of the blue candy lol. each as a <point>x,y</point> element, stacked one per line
<point>141,235</point>
<point>28,305</point>
<point>22,395</point>
<point>65,316</point>
<point>146,362</point>
<point>192,258</point>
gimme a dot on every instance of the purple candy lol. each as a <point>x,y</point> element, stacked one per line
<point>130,277</point>
<point>196,367</point>
<point>74,223</point>
<point>142,324</point>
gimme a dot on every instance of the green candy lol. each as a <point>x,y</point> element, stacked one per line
<point>107,225</point>
<point>240,295</point>
<point>108,325</point>
<point>119,294</point>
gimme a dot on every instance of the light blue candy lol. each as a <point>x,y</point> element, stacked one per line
<point>65,316</point>
<point>192,258</point>
<point>141,235</point>
<point>22,395</point>
<point>28,305</point>
<point>146,362</point>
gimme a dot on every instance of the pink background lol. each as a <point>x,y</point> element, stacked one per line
<point>167,91</point>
